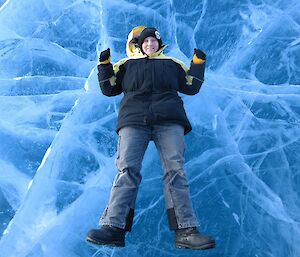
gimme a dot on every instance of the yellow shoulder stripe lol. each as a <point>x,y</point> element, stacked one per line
<point>117,65</point>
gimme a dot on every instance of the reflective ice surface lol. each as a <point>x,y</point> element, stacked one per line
<point>57,139</point>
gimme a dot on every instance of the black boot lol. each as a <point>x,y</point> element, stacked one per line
<point>191,238</point>
<point>107,235</point>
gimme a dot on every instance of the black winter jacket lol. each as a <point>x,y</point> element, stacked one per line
<point>150,86</point>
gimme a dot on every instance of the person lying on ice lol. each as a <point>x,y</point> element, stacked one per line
<point>150,110</point>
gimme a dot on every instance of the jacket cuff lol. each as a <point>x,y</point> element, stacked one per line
<point>105,71</point>
<point>197,71</point>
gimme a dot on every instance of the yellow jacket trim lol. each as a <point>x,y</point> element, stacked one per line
<point>197,60</point>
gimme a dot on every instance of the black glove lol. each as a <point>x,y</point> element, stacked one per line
<point>199,54</point>
<point>105,56</point>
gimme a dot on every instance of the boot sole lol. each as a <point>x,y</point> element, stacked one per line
<point>201,247</point>
<point>112,244</point>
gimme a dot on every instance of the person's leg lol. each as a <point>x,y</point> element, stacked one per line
<point>133,142</point>
<point>117,218</point>
<point>169,140</point>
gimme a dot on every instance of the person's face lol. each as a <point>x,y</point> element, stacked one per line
<point>150,45</point>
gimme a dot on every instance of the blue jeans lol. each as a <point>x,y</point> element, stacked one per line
<point>132,144</point>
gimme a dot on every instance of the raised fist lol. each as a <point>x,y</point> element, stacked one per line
<point>105,56</point>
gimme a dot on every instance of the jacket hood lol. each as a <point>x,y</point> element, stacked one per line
<point>132,48</point>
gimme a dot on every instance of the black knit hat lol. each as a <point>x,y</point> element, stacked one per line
<point>149,32</point>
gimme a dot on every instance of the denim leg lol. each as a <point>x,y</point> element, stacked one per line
<point>133,142</point>
<point>169,140</point>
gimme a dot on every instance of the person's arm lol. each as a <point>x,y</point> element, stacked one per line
<point>191,81</point>
<point>109,85</point>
